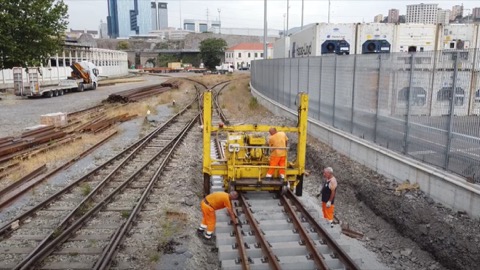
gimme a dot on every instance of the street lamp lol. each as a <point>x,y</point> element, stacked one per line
<point>219,22</point>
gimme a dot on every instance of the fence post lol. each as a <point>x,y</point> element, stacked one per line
<point>353,92</point>
<point>407,122</point>
<point>308,75</point>
<point>290,85</point>
<point>334,90</point>
<point>298,79</point>
<point>320,88</point>
<point>377,97</point>
<point>452,108</point>
<point>283,81</point>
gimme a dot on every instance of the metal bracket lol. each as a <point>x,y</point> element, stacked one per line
<point>301,243</point>
<point>235,246</point>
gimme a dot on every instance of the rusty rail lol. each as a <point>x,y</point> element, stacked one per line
<point>23,180</point>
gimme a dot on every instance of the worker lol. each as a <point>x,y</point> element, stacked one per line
<point>212,202</point>
<point>278,153</point>
<point>328,192</point>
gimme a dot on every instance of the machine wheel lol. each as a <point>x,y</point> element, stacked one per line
<point>60,93</point>
<point>49,94</point>
<point>299,187</point>
<point>94,86</point>
<point>81,87</point>
<point>206,184</point>
<point>55,93</point>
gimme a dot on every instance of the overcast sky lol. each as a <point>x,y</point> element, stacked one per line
<point>86,14</point>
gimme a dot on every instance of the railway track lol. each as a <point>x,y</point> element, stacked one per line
<point>276,230</point>
<point>58,233</point>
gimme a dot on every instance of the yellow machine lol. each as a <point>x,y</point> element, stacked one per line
<point>244,153</point>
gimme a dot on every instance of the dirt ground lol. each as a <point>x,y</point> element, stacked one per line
<point>406,229</point>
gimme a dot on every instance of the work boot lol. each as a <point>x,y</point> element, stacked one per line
<point>269,178</point>
<point>200,231</point>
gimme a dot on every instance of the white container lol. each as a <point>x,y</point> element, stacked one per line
<point>371,37</point>
<point>414,37</point>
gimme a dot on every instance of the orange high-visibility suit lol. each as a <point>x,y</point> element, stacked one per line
<point>212,202</point>
<point>277,156</point>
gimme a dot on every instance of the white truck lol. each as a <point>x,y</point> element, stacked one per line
<point>224,68</point>
<point>84,76</point>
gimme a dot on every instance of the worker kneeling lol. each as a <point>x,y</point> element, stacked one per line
<point>278,144</point>
<point>212,202</point>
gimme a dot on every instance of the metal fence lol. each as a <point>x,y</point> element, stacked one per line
<point>423,105</point>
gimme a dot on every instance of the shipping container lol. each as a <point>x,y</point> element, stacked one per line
<point>375,38</point>
<point>414,37</point>
<point>280,47</point>
<point>304,43</point>
<point>457,36</point>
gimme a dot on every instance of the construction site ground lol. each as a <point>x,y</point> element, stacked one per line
<point>402,228</point>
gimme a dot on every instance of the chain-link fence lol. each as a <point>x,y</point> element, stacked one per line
<point>424,105</point>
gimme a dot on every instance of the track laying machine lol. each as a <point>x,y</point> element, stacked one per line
<point>243,153</point>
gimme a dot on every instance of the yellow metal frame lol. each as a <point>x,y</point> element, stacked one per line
<point>232,172</point>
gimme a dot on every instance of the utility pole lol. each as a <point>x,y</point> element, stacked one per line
<point>219,22</point>
<point>207,19</point>
<point>328,11</point>
<point>265,30</point>
<point>180,4</point>
<point>284,15</point>
<point>288,7</point>
<point>302,16</point>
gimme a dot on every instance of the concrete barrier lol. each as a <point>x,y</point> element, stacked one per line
<point>443,187</point>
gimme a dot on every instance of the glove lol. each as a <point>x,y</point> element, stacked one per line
<point>318,195</point>
<point>329,204</point>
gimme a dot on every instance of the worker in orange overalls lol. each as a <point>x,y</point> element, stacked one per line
<point>212,202</point>
<point>329,189</point>
<point>278,155</point>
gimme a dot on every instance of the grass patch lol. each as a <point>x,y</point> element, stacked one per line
<point>125,213</point>
<point>154,257</point>
<point>85,189</point>
<point>253,104</point>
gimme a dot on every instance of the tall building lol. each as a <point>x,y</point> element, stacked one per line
<point>393,15</point>
<point>422,13</point>
<point>378,18</point>
<point>128,18</point>
<point>457,10</point>
<point>103,29</point>
<point>159,16</point>
<point>443,16</point>
<point>476,13</point>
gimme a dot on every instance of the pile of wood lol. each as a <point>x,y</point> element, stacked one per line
<point>11,147</point>
<point>137,94</point>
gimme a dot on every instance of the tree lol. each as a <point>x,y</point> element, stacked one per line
<point>31,31</point>
<point>123,45</point>
<point>210,50</point>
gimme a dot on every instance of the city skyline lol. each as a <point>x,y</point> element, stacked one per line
<point>249,14</point>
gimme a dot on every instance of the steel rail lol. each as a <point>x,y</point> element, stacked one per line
<point>50,247</point>
<point>347,261</point>
<point>271,259</point>
<point>317,257</point>
<point>110,250</point>
<point>71,216</point>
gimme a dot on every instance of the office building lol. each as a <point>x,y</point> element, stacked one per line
<point>129,18</point>
<point>476,14</point>
<point>200,26</point>
<point>457,11</point>
<point>443,16</point>
<point>378,18</point>
<point>393,15</point>
<point>159,16</point>
<point>422,13</point>
<point>103,29</point>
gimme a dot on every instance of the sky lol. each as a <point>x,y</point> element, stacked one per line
<point>86,14</point>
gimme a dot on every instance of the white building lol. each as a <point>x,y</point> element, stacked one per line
<point>457,10</point>
<point>247,32</point>
<point>242,54</point>
<point>443,16</point>
<point>170,33</point>
<point>422,13</point>
<point>378,18</point>
<point>200,26</point>
<point>103,29</point>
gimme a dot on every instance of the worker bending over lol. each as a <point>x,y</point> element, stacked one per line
<point>212,202</point>
<point>278,154</point>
